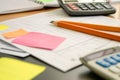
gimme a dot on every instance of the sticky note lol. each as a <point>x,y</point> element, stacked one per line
<point>15,33</point>
<point>39,40</point>
<point>45,0</point>
<point>3,27</point>
<point>13,69</point>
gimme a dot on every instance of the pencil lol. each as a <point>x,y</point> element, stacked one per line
<point>96,26</point>
<point>86,30</point>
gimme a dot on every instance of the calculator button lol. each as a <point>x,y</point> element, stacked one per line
<point>110,60</point>
<point>115,57</point>
<point>118,65</point>
<point>97,6</point>
<point>101,6</point>
<point>107,6</point>
<point>103,63</point>
<point>90,6</point>
<point>114,69</point>
<point>118,55</point>
<point>82,6</point>
<point>72,6</point>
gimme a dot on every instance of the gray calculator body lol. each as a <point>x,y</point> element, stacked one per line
<point>77,8</point>
<point>105,63</point>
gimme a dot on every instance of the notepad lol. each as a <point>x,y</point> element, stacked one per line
<point>13,69</point>
<point>13,6</point>
<point>39,40</point>
<point>3,27</point>
<point>15,33</point>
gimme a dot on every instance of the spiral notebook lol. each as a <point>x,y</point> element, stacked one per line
<point>13,6</point>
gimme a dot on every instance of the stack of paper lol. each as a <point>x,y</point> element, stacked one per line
<point>7,48</point>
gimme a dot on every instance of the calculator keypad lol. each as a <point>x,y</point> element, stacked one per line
<point>89,6</point>
<point>112,63</point>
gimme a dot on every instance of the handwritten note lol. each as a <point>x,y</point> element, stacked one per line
<point>3,27</point>
<point>15,33</point>
<point>39,40</point>
<point>12,69</point>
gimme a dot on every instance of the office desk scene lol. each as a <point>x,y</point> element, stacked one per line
<point>49,44</point>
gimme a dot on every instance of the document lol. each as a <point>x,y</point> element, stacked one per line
<point>76,44</point>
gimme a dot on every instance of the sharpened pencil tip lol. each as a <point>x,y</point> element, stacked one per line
<point>52,21</point>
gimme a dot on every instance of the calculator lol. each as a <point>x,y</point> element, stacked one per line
<point>86,7</point>
<point>105,63</point>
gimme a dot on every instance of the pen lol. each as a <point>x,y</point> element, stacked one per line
<point>87,30</point>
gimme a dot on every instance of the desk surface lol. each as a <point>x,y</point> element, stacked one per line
<point>79,73</point>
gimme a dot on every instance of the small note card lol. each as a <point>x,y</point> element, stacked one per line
<point>39,40</point>
<point>14,34</point>
<point>3,27</point>
<point>13,69</point>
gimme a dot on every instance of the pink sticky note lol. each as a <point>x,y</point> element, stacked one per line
<point>39,40</point>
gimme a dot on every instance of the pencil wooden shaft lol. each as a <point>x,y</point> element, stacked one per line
<point>95,26</point>
<point>87,30</point>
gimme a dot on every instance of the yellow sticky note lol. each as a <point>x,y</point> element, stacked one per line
<point>15,33</point>
<point>3,27</point>
<point>12,69</point>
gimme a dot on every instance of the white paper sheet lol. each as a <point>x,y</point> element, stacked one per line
<point>6,48</point>
<point>76,45</point>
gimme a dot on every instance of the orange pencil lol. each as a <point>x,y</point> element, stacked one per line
<point>85,29</point>
<point>96,26</point>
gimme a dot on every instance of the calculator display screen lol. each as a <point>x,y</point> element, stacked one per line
<point>100,54</point>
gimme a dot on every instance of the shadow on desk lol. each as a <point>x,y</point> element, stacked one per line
<point>79,73</point>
